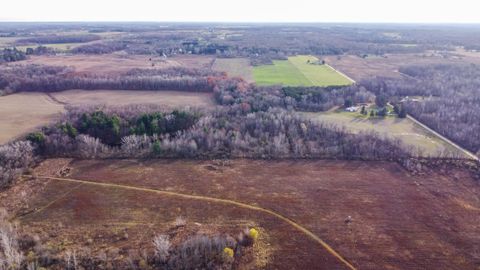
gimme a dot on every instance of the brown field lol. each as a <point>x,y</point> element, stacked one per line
<point>170,99</point>
<point>399,221</point>
<point>235,67</point>
<point>359,68</point>
<point>117,63</point>
<point>23,112</point>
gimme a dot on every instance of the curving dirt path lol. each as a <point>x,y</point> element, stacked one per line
<point>297,226</point>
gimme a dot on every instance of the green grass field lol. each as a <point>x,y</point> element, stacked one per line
<point>297,71</point>
<point>404,129</point>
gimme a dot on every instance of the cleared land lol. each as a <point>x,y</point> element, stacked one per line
<point>406,130</point>
<point>398,221</point>
<point>23,112</point>
<point>56,46</point>
<point>359,68</point>
<point>235,67</point>
<point>170,99</point>
<point>117,63</point>
<point>298,71</point>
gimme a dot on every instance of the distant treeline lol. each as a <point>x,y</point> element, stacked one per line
<point>53,39</point>
<point>40,78</point>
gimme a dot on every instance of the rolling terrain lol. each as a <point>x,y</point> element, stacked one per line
<point>100,199</point>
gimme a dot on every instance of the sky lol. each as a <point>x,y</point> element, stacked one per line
<point>397,11</point>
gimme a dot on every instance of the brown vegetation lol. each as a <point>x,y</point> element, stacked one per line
<point>381,199</point>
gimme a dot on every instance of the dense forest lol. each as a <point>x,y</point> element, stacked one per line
<point>142,131</point>
<point>444,97</point>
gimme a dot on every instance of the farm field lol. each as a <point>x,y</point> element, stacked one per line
<point>23,112</point>
<point>57,46</point>
<point>170,99</point>
<point>383,200</point>
<point>117,63</point>
<point>404,129</point>
<point>359,68</point>
<point>296,71</point>
<point>235,67</point>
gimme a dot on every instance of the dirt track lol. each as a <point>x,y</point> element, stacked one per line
<point>297,226</point>
<point>399,221</point>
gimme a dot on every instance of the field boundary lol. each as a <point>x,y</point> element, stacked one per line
<point>292,223</point>
<point>465,151</point>
<point>341,73</point>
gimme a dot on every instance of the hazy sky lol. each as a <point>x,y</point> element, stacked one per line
<point>461,11</point>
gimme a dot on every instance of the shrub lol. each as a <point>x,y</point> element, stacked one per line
<point>15,158</point>
<point>10,255</point>
<point>162,247</point>
<point>253,233</point>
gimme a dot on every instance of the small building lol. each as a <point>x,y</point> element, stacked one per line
<point>351,109</point>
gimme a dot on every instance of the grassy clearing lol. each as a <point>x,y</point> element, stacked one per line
<point>281,72</point>
<point>318,75</point>
<point>298,71</point>
<point>235,67</point>
<point>404,129</point>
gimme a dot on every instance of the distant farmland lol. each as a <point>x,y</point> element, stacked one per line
<point>235,67</point>
<point>299,71</point>
<point>168,99</point>
<point>23,112</point>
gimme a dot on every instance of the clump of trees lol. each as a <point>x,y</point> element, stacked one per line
<point>235,92</point>
<point>40,50</point>
<point>15,158</point>
<point>11,55</point>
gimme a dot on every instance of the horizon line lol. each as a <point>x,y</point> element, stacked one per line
<point>241,22</point>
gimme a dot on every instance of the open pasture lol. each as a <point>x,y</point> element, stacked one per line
<point>298,71</point>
